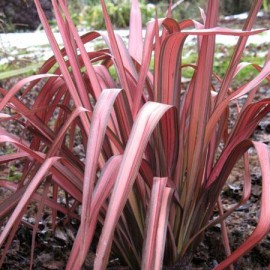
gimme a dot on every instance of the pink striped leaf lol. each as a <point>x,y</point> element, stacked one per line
<point>135,38</point>
<point>96,137</point>
<point>162,227</point>
<point>33,185</point>
<point>147,119</point>
<point>11,93</point>
<point>263,226</point>
<point>152,219</point>
<point>62,64</point>
<point>85,58</point>
<point>238,93</point>
<point>116,53</point>
<point>238,50</point>
<point>100,194</point>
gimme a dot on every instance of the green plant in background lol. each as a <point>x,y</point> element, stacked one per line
<point>91,14</point>
<point>182,10</point>
<point>266,5</point>
<point>4,25</point>
<point>157,155</point>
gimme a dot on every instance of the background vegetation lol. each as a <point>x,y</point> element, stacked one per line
<point>21,14</point>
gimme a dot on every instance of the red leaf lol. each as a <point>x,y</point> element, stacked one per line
<point>147,119</point>
<point>135,44</point>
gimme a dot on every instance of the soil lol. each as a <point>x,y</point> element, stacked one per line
<point>52,248</point>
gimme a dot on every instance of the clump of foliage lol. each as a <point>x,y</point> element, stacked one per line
<point>157,155</point>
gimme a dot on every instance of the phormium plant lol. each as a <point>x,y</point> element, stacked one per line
<point>157,155</point>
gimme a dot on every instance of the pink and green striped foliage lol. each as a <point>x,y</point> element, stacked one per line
<point>157,154</point>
